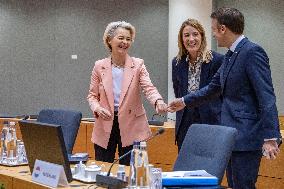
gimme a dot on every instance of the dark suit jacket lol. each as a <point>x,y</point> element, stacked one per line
<point>248,96</point>
<point>209,113</point>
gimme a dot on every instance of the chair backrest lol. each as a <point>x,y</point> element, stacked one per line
<point>69,121</point>
<point>206,147</point>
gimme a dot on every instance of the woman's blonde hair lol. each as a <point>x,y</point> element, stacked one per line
<point>204,52</point>
<point>111,29</point>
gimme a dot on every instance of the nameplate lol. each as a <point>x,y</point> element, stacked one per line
<point>49,174</point>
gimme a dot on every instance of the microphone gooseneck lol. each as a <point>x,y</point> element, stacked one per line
<point>115,161</point>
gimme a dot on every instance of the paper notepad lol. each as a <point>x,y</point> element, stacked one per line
<point>188,178</point>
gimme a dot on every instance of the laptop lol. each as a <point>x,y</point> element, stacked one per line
<point>45,142</point>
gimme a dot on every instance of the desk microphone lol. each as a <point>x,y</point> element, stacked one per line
<point>26,117</point>
<point>159,132</point>
<point>113,182</point>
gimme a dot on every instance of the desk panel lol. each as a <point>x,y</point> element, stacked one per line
<point>81,139</point>
<point>162,150</point>
<point>281,123</point>
<point>269,183</point>
<point>89,144</point>
<point>6,180</point>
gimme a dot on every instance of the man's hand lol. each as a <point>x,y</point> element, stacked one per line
<point>176,105</point>
<point>270,149</point>
<point>103,113</point>
<point>161,106</point>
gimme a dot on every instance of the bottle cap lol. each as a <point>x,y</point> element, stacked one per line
<point>143,144</point>
<point>136,143</point>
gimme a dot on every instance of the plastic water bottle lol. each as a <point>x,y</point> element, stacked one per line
<point>4,132</point>
<point>133,165</point>
<point>12,144</point>
<point>143,173</point>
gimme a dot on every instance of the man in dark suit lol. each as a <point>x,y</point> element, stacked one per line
<point>244,81</point>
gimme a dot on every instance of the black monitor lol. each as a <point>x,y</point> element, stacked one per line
<point>45,142</point>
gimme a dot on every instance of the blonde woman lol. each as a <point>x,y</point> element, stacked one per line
<point>115,96</point>
<point>193,68</point>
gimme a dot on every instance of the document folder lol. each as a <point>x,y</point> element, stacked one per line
<point>188,178</point>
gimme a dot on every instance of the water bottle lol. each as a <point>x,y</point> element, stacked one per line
<point>12,144</point>
<point>133,165</point>
<point>4,132</point>
<point>143,173</point>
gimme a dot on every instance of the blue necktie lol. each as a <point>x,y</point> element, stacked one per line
<point>229,54</point>
<point>227,57</point>
<point>227,60</point>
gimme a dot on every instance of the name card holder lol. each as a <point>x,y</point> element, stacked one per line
<point>49,174</point>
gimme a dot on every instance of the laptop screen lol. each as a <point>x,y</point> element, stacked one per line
<point>45,142</point>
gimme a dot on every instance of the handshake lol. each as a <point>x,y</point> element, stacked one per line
<point>160,106</point>
<point>175,105</point>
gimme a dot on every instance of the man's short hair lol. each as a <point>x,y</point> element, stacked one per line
<point>230,17</point>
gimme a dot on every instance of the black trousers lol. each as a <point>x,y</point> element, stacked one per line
<point>242,169</point>
<point>107,155</point>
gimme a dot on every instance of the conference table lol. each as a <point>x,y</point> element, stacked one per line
<point>20,178</point>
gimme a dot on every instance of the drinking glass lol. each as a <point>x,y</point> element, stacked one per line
<point>156,182</point>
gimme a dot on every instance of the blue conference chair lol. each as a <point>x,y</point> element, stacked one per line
<point>206,147</point>
<point>69,121</point>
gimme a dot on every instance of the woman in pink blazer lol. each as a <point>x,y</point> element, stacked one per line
<point>115,96</point>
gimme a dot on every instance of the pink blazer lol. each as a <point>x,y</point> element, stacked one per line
<point>132,118</point>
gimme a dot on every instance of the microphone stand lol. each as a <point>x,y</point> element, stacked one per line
<point>109,181</point>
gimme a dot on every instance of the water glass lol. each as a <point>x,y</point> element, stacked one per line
<point>156,180</point>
